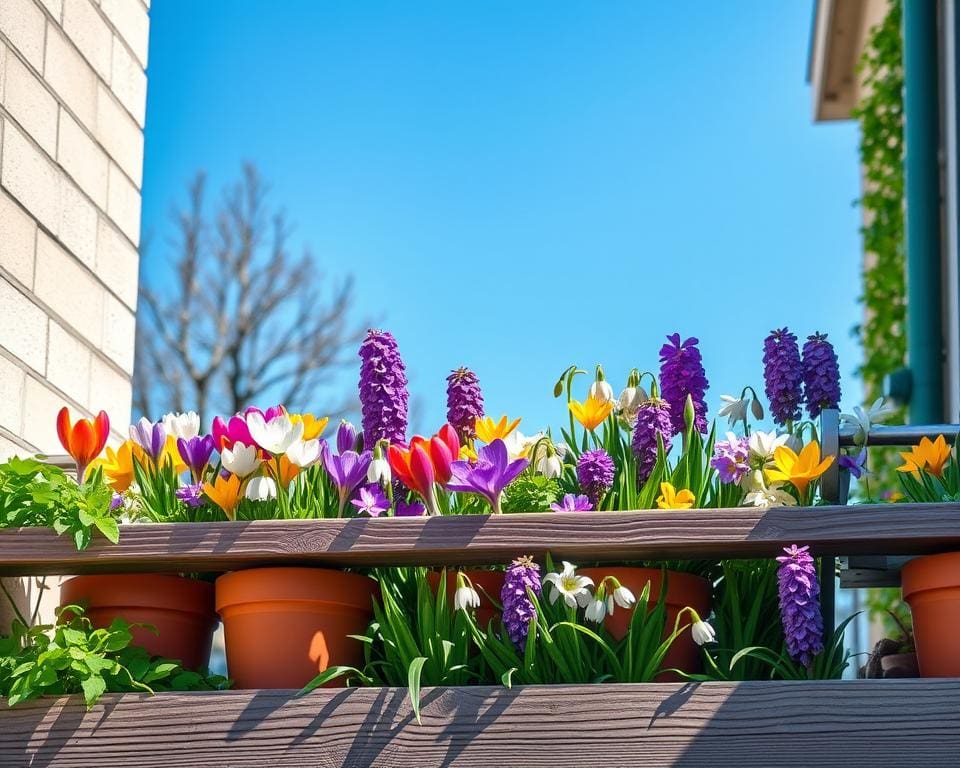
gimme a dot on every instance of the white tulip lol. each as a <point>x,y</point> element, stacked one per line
<point>275,435</point>
<point>185,425</point>
<point>465,597</point>
<point>242,459</point>
<point>304,453</point>
<point>261,489</point>
<point>702,632</point>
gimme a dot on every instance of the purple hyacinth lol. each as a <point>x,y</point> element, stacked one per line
<point>383,389</point>
<point>518,608</point>
<point>595,473</point>
<point>682,374</point>
<point>731,458</point>
<point>821,375</point>
<point>782,375</point>
<point>800,604</point>
<point>653,418</point>
<point>573,503</point>
<point>191,495</point>
<point>464,403</point>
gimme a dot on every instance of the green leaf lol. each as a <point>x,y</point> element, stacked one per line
<point>109,528</point>
<point>413,684</point>
<point>93,688</point>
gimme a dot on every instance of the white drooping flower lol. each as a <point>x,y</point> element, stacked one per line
<point>596,610</point>
<point>261,489</point>
<point>379,471</point>
<point>763,444</point>
<point>304,453</point>
<point>762,495</point>
<point>276,435</point>
<point>734,408</point>
<point>630,400</point>
<point>623,597</point>
<point>550,466</point>
<point>702,632</point>
<point>574,589</point>
<point>863,420</point>
<point>465,597</point>
<point>242,459</point>
<point>184,425</point>
<point>518,444</point>
<point>602,391</point>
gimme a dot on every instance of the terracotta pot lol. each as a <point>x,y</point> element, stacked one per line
<point>487,583</point>
<point>683,589</point>
<point>283,626</point>
<point>180,609</point>
<point>899,665</point>
<point>931,586</point>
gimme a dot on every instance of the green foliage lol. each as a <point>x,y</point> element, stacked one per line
<point>36,494</point>
<point>73,657</point>
<point>530,493</point>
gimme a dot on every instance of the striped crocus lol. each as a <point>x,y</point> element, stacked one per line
<point>383,389</point>
<point>150,436</point>
<point>682,376</point>
<point>464,403</point>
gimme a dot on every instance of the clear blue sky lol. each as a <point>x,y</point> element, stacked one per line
<point>521,186</point>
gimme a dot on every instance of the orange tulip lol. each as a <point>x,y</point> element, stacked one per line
<point>84,440</point>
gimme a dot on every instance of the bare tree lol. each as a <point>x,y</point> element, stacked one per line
<point>241,320</point>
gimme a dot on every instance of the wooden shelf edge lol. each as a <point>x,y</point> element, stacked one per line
<point>902,529</point>
<point>882,722</point>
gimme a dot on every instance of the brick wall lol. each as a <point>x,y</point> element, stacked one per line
<point>72,102</point>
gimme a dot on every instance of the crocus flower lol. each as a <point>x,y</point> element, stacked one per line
<point>228,433</point>
<point>268,415</point>
<point>489,475</point>
<point>487,430</point>
<point>762,446</point>
<point>195,452</point>
<point>117,464</point>
<point>731,458</point>
<point>518,608</point>
<point>346,437</point>
<point>653,419</point>
<point>592,412</point>
<point>682,376</point>
<point>191,494</point>
<point>855,465</point>
<point>312,426</point>
<point>275,435</point>
<point>821,375</point>
<point>671,498</point>
<point>261,489</point>
<point>425,463</point>
<point>574,589</point>
<point>242,460</point>
<point>150,436</point>
<point>83,440</point>
<point>116,501</point>
<point>595,471</point>
<point>347,471</point>
<point>799,591</point>
<point>413,509</point>
<point>573,503</point>
<point>519,444</point>
<point>371,499</point>
<point>304,453</point>
<point>929,455</point>
<point>782,375</point>
<point>383,389</point>
<point>283,470</point>
<point>464,403</point>
<point>800,469</point>
<point>224,492</point>
<point>182,425</point>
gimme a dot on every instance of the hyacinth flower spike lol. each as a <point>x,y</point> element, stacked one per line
<point>489,475</point>
<point>83,440</point>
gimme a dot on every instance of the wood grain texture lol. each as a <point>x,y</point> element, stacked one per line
<point>901,529</point>
<point>830,723</point>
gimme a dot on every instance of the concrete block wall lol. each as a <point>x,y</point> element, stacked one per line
<point>72,104</point>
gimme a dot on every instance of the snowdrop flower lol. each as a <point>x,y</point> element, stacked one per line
<point>548,462</point>
<point>241,460</point>
<point>623,597</point>
<point>182,425</point>
<point>304,453</point>
<point>574,589</point>
<point>702,632</point>
<point>379,471</point>
<point>629,401</point>
<point>275,435</point>
<point>763,444</point>
<point>734,408</point>
<point>261,489</point>
<point>602,391</point>
<point>863,420</point>
<point>595,611</point>
<point>466,596</point>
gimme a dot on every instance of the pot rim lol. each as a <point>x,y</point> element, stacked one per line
<point>677,581</point>
<point>929,572</point>
<point>161,591</point>
<point>294,584</point>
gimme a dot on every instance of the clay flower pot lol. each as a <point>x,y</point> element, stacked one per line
<point>488,585</point>
<point>283,626</point>
<point>180,609</point>
<point>683,589</point>
<point>931,586</point>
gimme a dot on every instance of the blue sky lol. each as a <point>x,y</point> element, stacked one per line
<point>521,186</point>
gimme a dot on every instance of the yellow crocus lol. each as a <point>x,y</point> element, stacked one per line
<point>930,455</point>
<point>800,469</point>
<point>591,412</point>
<point>172,454</point>
<point>117,465</point>
<point>312,426</point>
<point>671,498</point>
<point>285,473</point>
<point>489,430</point>
<point>224,492</point>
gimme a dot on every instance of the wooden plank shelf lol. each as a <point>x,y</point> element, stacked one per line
<point>823,723</point>
<point>901,529</point>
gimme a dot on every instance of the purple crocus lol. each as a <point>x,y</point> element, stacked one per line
<point>149,435</point>
<point>800,604</point>
<point>821,375</point>
<point>782,375</point>
<point>346,437</point>
<point>464,403</point>
<point>595,470</point>
<point>855,465</point>
<point>488,475</point>
<point>518,608</point>
<point>347,470</point>
<point>370,499</point>
<point>195,453</point>
<point>681,376</point>
<point>413,509</point>
<point>731,458</point>
<point>116,501</point>
<point>653,418</point>
<point>191,495</point>
<point>383,389</point>
<point>573,503</point>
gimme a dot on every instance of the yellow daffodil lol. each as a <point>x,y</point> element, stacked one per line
<point>285,473</point>
<point>312,426</point>
<point>929,456</point>
<point>489,430</point>
<point>225,493</point>
<point>802,469</point>
<point>671,498</point>
<point>117,465</point>
<point>591,412</point>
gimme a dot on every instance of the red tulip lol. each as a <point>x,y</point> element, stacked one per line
<point>425,462</point>
<point>84,440</point>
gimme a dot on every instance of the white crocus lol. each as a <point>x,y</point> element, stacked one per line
<point>261,489</point>
<point>276,435</point>
<point>863,420</point>
<point>379,471</point>
<point>465,597</point>
<point>518,444</point>
<point>242,459</point>
<point>768,496</point>
<point>734,408</point>
<point>702,632</point>
<point>602,391</point>
<point>763,444</point>
<point>574,589</point>
<point>623,597</point>
<point>304,453</point>
<point>596,610</point>
<point>185,425</point>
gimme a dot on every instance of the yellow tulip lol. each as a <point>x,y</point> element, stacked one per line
<point>489,430</point>
<point>929,456</point>
<point>802,469</point>
<point>312,426</point>
<point>591,412</point>
<point>671,498</point>
<point>225,493</point>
